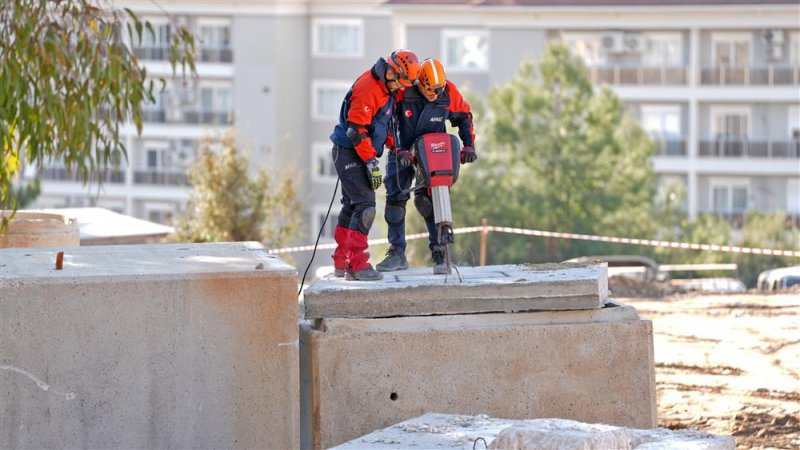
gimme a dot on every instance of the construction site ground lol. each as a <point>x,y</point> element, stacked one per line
<point>727,364</point>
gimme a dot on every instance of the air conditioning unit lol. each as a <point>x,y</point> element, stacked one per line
<point>613,42</point>
<point>772,36</point>
<point>634,42</point>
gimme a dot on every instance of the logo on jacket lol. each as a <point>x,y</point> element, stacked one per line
<point>436,119</point>
<point>408,113</point>
<point>351,166</point>
<point>367,109</point>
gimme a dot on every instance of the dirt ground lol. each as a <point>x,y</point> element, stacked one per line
<point>728,364</point>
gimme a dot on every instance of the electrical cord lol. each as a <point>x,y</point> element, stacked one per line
<point>322,227</point>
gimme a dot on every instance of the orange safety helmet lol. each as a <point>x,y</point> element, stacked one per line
<point>432,79</point>
<point>406,65</point>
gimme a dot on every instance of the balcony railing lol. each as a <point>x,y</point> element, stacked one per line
<point>771,75</point>
<point>154,115</point>
<point>157,53</point>
<point>738,219</point>
<point>215,54</point>
<point>638,75</point>
<point>160,177</point>
<point>207,117</point>
<point>61,174</point>
<point>670,147</point>
<point>727,148</point>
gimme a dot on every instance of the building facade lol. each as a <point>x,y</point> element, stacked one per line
<point>717,85</point>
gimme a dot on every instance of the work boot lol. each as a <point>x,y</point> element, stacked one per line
<point>365,274</point>
<point>395,260</point>
<point>437,255</point>
<point>338,273</point>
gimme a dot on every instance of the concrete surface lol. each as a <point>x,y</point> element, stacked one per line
<point>156,346</point>
<point>460,432</point>
<point>362,375</point>
<point>39,229</point>
<point>507,288</point>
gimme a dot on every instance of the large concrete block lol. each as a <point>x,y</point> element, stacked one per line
<point>180,346</point>
<point>365,374</point>
<point>507,288</point>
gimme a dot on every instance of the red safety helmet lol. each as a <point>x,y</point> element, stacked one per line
<point>432,79</point>
<point>405,64</point>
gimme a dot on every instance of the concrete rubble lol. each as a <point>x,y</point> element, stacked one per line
<point>450,431</point>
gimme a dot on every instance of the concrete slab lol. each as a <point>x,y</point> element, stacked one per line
<point>506,288</point>
<point>155,346</point>
<point>362,375</point>
<point>461,432</point>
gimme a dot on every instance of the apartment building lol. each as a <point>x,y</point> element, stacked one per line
<point>716,83</point>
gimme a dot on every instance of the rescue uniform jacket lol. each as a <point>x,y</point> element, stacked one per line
<point>417,116</point>
<point>367,107</point>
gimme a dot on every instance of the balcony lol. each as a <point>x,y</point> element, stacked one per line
<point>61,174</point>
<point>161,177</point>
<point>207,117</point>
<point>154,115</point>
<point>771,75</point>
<point>738,219</point>
<point>159,53</point>
<point>669,147</point>
<point>728,148</point>
<point>638,75</point>
<point>215,54</point>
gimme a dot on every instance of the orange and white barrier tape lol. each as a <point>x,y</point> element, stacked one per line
<point>584,237</point>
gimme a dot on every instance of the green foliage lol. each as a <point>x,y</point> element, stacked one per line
<point>765,230</point>
<point>24,194</point>
<point>227,205</point>
<point>555,155</point>
<point>69,80</point>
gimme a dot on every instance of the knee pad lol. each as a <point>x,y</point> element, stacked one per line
<point>344,216</point>
<point>365,219</point>
<point>424,205</point>
<point>394,213</point>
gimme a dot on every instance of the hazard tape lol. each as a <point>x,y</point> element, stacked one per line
<point>583,237</point>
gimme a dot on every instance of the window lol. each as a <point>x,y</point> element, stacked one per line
<point>466,50</point>
<point>793,196</point>
<point>730,49</point>
<point>214,34</point>
<point>155,154</point>
<point>663,123</point>
<point>794,48</point>
<point>728,197</point>
<point>730,123</point>
<point>586,47</point>
<point>324,170</point>
<point>338,38</point>
<point>215,98</point>
<point>663,50</point>
<point>794,122</point>
<point>327,97</point>
<point>318,217</point>
<point>160,39</point>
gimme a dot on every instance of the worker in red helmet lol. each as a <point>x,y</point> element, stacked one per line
<point>358,141</point>
<point>420,111</point>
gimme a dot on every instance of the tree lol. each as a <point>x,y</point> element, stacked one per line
<point>765,230</point>
<point>25,193</point>
<point>69,79</point>
<point>556,155</point>
<point>227,205</point>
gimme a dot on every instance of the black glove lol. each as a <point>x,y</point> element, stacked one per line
<point>404,158</point>
<point>374,173</point>
<point>468,155</point>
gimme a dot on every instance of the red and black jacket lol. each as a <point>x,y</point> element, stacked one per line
<point>367,108</point>
<point>417,116</point>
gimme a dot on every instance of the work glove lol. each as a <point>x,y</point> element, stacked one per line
<point>374,173</point>
<point>468,155</point>
<point>404,158</point>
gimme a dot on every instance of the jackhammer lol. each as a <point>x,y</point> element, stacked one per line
<point>437,156</point>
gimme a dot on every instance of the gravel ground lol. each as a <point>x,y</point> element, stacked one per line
<point>728,364</point>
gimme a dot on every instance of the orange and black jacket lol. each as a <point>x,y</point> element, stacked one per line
<point>417,116</point>
<point>367,108</point>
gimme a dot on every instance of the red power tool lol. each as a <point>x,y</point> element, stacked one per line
<point>438,156</point>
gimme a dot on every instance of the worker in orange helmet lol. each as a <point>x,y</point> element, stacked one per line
<point>420,111</point>
<point>364,128</point>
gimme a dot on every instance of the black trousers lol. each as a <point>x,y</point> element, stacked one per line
<point>358,198</point>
